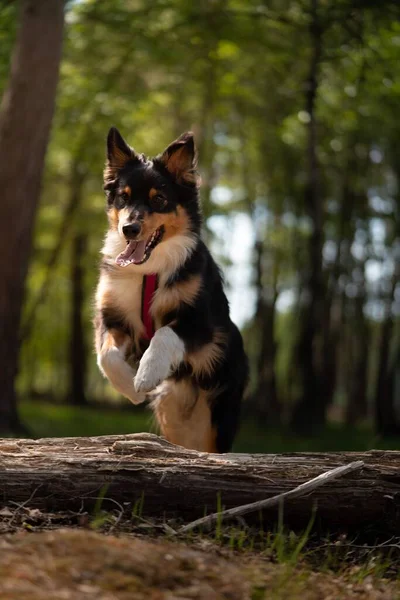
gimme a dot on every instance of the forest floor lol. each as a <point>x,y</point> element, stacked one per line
<point>62,557</point>
<point>114,556</point>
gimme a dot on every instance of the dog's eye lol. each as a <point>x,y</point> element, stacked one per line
<point>158,202</point>
<point>121,200</point>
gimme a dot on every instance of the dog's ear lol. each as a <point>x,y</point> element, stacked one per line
<point>180,159</point>
<point>118,154</point>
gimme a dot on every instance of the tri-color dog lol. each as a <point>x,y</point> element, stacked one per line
<point>163,330</point>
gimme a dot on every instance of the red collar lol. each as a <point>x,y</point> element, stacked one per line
<point>149,287</point>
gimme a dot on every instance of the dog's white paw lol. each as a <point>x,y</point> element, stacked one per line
<point>153,369</point>
<point>137,397</point>
<point>165,352</point>
<point>120,374</point>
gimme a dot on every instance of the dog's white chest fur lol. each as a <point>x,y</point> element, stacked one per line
<point>166,349</point>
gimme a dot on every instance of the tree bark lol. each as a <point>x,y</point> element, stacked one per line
<point>77,345</point>
<point>386,418</point>
<point>310,411</point>
<point>25,118</point>
<point>386,421</point>
<point>51,474</point>
<point>265,401</point>
<point>357,400</point>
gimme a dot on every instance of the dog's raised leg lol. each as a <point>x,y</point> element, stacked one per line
<point>112,363</point>
<point>165,352</point>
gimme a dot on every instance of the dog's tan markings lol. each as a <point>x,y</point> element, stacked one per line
<point>118,218</point>
<point>167,258</point>
<point>180,164</point>
<point>127,190</point>
<point>204,360</point>
<point>119,337</point>
<point>117,160</point>
<point>123,292</point>
<point>113,217</point>
<point>167,299</point>
<point>99,332</point>
<point>115,338</point>
<point>108,338</point>
<point>183,415</point>
<point>174,223</point>
<point>153,192</point>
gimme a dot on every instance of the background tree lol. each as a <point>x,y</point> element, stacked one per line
<point>25,118</point>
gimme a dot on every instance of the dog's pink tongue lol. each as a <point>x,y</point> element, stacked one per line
<point>133,253</point>
<point>138,253</point>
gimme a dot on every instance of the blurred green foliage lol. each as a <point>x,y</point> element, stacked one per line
<point>237,73</point>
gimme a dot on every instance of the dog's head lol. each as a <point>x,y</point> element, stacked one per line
<point>152,205</point>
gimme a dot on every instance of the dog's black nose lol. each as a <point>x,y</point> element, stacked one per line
<point>131,230</point>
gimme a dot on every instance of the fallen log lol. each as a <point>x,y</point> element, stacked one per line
<point>56,474</point>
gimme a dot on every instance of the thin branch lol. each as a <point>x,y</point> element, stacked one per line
<point>22,505</point>
<point>301,490</point>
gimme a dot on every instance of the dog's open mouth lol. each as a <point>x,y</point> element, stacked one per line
<point>136,253</point>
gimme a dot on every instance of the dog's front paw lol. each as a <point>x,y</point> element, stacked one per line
<point>137,397</point>
<point>165,352</point>
<point>153,369</point>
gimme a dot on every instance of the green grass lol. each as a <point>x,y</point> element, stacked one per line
<point>53,420</point>
<point>333,438</point>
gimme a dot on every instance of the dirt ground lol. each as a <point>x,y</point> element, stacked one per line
<point>79,564</point>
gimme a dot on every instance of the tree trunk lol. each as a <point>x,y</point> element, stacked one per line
<point>77,346</point>
<point>25,119</point>
<point>311,410</point>
<point>357,401</point>
<point>51,474</point>
<point>265,401</point>
<point>333,322</point>
<point>386,422</point>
